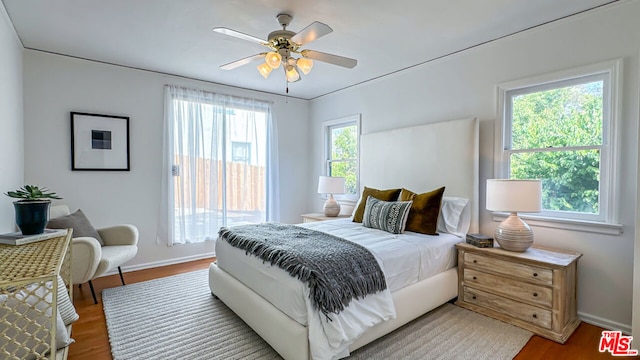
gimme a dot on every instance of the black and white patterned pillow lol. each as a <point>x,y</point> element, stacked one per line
<point>390,216</point>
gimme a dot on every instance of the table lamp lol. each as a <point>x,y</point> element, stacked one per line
<point>331,185</point>
<point>514,196</point>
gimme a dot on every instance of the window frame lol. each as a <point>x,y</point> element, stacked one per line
<point>609,72</point>
<point>327,126</point>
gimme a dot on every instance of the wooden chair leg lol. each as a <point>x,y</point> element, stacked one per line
<point>121,277</point>
<point>95,300</point>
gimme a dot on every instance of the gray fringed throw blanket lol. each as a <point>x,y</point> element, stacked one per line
<point>335,269</point>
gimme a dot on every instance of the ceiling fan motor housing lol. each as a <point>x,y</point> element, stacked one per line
<point>280,41</point>
<point>284,19</point>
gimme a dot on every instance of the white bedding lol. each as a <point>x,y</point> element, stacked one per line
<point>404,258</point>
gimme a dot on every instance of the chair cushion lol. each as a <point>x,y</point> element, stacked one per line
<point>80,224</point>
<point>114,256</point>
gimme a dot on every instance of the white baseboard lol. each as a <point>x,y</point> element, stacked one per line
<point>605,323</point>
<point>160,263</point>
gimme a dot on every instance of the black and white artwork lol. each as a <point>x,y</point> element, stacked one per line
<point>100,139</point>
<point>99,142</point>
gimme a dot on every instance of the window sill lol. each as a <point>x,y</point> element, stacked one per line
<point>565,224</point>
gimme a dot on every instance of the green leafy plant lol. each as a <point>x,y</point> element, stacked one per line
<point>31,193</point>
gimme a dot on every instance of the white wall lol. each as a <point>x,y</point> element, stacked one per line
<point>55,85</point>
<point>464,85</point>
<point>11,129</point>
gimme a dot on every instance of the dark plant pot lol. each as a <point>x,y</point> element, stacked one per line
<point>32,216</point>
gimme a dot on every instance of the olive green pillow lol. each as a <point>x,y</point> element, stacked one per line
<point>384,195</point>
<point>423,216</point>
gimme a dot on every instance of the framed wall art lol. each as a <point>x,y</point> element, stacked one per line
<point>99,142</point>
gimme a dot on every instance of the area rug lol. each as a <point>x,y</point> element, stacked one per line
<point>177,318</point>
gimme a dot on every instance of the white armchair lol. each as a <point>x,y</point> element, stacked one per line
<point>91,259</point>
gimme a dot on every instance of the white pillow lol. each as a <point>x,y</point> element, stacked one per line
<point>455,216</point>
<point>65,307</point>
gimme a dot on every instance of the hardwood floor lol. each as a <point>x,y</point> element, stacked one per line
<point>92,341</point>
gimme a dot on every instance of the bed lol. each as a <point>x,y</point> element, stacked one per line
<point>423,158</point>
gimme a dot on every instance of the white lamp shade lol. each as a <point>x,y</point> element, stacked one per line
<point>273,59</point>
<point>305,65</point>
<point>291,73</point>
<point>264,70</point>
<point>331,185</point>
<point>514,195</point>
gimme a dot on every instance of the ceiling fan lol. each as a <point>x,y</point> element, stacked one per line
<point>283,45</point>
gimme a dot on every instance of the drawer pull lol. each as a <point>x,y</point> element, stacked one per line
<point>535,294</point>
<point>473,297</point>
<point>535,316</point>
<point>475,261</point>
<point>474,278</point>
<point>535,274</point>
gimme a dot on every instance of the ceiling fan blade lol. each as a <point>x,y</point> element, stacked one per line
<point>227,31</point>
<point>245,61</point>
<point>311,32</point>
<point>330,58</point>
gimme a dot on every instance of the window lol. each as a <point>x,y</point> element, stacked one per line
<point>240,151</point>
<point>560,129</point>
<point>341,151</point>
<point>217,147</point>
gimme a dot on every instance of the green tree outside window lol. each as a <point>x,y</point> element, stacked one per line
<point>556,136</point>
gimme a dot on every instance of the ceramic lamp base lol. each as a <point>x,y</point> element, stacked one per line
<point>331,207</point>
<point>513,234</point>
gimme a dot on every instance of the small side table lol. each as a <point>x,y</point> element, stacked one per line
<point>534,290</point>
<point>36,263</point>
<point>313,217</point>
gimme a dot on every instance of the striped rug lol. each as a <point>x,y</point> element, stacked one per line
<point>177,318</point>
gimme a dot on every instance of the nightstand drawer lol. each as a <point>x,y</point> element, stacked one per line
<point>533,294</point>
<point>522,271</point>
<point>518,310</point>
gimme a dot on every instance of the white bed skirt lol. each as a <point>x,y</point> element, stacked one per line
<point>291,340</point>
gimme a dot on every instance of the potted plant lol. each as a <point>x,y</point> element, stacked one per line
<point>32,210</point>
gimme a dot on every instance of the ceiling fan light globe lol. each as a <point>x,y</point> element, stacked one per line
<point>264,70</point>
<point>273,59</point>
<point>305,65</point>
<point>292,74</point>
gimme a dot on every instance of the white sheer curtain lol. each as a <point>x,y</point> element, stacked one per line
<point>219,164</point>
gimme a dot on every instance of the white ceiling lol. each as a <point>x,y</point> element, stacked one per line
<point>176,37</point>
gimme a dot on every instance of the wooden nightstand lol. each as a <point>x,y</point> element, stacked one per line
<point>320,217</point>
<point>534,290</point>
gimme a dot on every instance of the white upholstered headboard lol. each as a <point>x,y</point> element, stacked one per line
<point>425,157</point>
